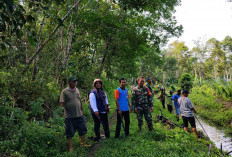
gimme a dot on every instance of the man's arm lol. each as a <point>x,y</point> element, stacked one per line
<point>116,93</point>
<point>82,109</point>
<point>129,101</point>
<point>191,106</point>
<point>193,109</point>
<point>93,104</point>
<point>150,100</point>
<point>134,103</point>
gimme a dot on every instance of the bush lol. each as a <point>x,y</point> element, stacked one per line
<point>186,81</point>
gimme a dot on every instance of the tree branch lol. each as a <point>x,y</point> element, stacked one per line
<point>53,32</point>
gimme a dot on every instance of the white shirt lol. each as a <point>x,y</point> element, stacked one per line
<point>93,102</point>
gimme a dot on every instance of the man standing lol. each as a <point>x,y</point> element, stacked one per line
<point>123,106</point>
<point>143,104</point>
<point>70,99</point>
<point>169,101</point>
<point>187,109</point>
<point>177,107</point>
<point>148,84</point>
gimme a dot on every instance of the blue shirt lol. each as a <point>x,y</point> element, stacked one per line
<point>123,99</point>
<point>175,97</point>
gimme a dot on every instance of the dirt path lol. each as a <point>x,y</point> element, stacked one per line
<point>97,146</point>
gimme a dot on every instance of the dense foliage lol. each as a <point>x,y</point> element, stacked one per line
<point>44,42</point>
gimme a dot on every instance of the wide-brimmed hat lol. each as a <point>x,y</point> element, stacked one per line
<point>97,80</point>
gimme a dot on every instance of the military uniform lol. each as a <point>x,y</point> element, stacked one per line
<point>142,101</point>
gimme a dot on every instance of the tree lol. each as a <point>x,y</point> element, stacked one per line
<point>186,81</point>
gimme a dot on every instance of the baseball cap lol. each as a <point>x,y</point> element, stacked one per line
<point>72,78</point>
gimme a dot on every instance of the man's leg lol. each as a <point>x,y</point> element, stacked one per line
<point>140,119</point>
<point>193,125</point>
<point>177,112</point>
<point>69,132</point>
<point>82,130</point>
<point>96,126</point>
<point>148,118</point>
<point>104,119</point>
<point>126,115</point>
<point>185,121</point>
<point>163,103</point>
<point>170,108</point>
<point>118,126</point>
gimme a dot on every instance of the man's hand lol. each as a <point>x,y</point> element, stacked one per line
<point>136,110</point>
<point>119,112</point>
<point>130,109</point>
<point>151,109</point>
<point>97,113</point>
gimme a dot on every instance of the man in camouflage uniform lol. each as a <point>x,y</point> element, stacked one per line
<point>143,104</point>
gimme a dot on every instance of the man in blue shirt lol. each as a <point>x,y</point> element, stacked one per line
<point>177,107</point>
<point>123,107</point>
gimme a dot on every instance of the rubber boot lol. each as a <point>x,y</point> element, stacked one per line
<point>82,141</point>
<point>69,143</point>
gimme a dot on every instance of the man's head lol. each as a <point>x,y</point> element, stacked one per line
<point>122,82</point>
<point>141,81</point>
<point>148,81</point>
<point>72,81</point>
<point>179,92</point>
<point>97,83</point>
<point>185,93</point>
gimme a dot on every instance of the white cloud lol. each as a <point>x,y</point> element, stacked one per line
<point>204,19</point>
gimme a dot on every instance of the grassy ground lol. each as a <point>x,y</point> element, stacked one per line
<point>162,141</point>
<point>46,138</point>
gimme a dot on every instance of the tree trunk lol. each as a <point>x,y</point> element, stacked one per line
<point>215,73</point>
<point>51,35</point>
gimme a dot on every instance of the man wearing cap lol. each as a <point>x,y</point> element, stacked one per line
<point>143,104</point>
<point>123,106</point>
<point>99,107</point>
<point>187,109</point>
<point>70,99</point>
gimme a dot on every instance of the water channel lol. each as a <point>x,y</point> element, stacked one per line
<point>216,135</point>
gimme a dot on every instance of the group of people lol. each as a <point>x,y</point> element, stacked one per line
<point>142,105</point>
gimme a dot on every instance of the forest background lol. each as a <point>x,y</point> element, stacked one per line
<point>44,42</point>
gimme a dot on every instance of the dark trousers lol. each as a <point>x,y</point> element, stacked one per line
<point>170,108</point>
<point>126,116</point>
<point>104,120</point>
<point>163,103</point>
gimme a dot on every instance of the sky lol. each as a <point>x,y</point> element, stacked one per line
<point>204,19</point>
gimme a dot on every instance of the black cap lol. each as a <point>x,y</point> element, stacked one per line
<point>185,92</point>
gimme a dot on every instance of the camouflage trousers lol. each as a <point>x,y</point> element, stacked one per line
<point>148,118</point>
